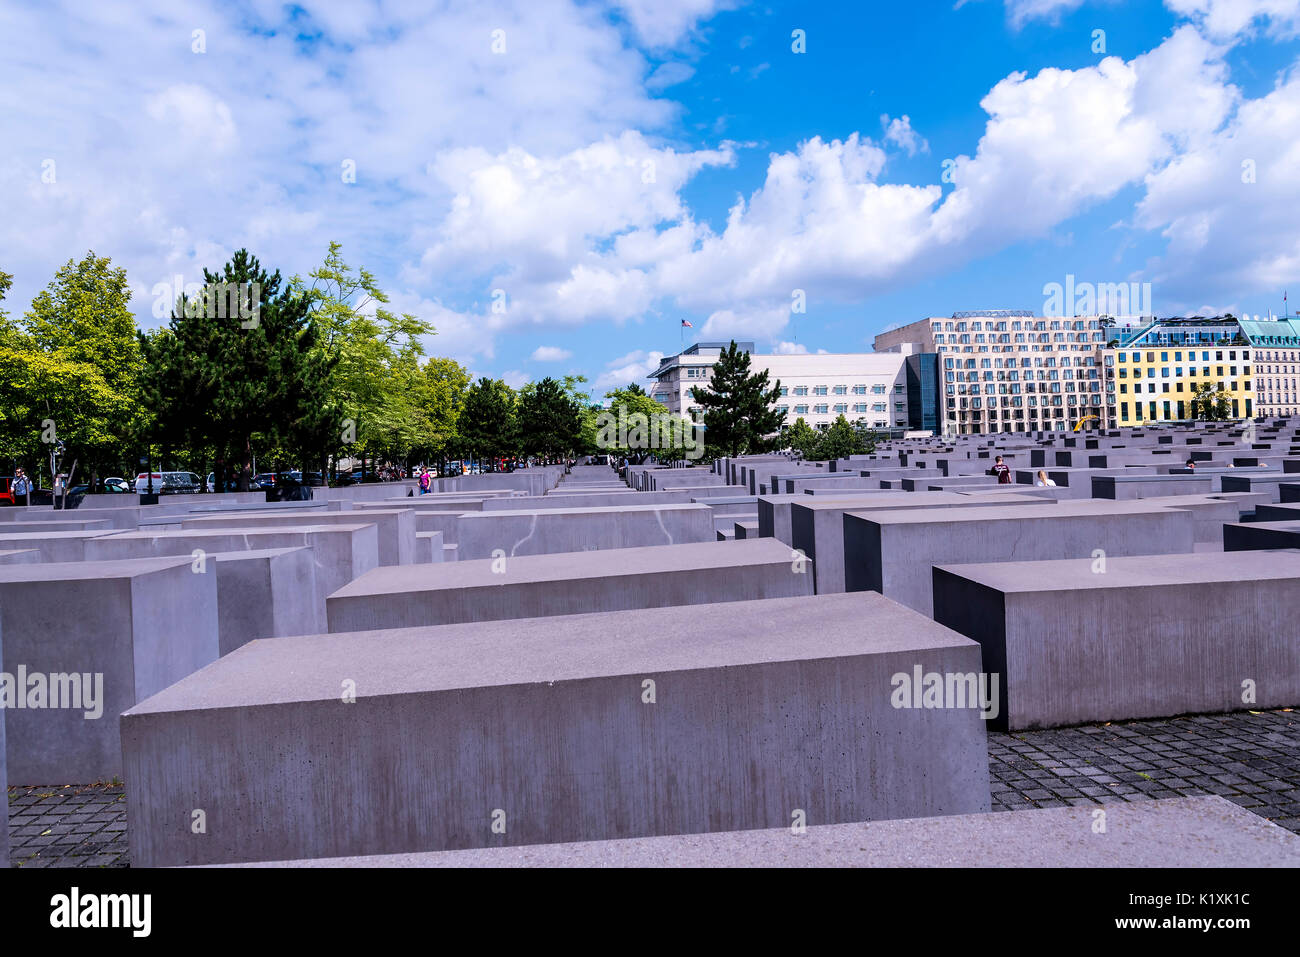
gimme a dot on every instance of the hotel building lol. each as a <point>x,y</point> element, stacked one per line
<point>1007,370</point>
<point>881,388</point>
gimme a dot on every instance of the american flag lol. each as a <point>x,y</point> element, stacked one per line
<point>687,325</point>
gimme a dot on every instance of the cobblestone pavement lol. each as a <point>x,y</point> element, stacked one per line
<point>1252,759</point>
<point>72,826</point>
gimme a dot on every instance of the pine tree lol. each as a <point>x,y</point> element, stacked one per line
<point>738,406</point>
<point>226,370</point>
<point>549,420</point>
<point>487,420</point>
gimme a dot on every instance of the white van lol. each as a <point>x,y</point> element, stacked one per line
<point>168,483</point>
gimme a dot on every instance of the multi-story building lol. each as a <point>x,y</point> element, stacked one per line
<point>1277,364</point>
<point>1007,370</point>
<point>817,387</point>
<point>1159,368</point>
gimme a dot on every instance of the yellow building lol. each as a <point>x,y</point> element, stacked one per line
<point>1157,383</point>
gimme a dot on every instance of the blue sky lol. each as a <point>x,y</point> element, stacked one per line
<point>600,170</point>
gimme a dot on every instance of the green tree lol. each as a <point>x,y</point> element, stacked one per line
<point>550,421</point>
<point>73,361</point>
<point>1210,403</point>
<point>739,413</point>
<point>442,397</point>
<point>801,437</point>
<point>638,427</point>
<point>840,441</point>
<point>487,422</point>
<point>221,379</point>
<point>372,349</point>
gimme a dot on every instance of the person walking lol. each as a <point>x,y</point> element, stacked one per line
<point>424,481</point>
<point>1001,470</point>
<point>22,488</point>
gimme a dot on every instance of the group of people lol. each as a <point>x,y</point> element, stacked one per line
<point>1003,473</point>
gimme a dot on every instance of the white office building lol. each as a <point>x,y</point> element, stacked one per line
<point>816,387</point>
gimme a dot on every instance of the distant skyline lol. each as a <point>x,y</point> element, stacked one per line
<point>555,185</point>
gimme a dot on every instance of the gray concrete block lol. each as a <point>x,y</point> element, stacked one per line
<point>1261,535</point>
<point>1182,832</point>
<point>817,525</point>
<point>266,593</point>
<point>568,583</point>
<point>395,527</point>
<point>22,556</point>
<point>52,546</point>
<point>127,629</point>
<point>893,552</point>
<point>339,552</point>
<point>1151,636</point>
<point>774,510</point>
<point>479,534</point>
<point>543,726</point>
<point>429,547</point>
<point>4,772</point>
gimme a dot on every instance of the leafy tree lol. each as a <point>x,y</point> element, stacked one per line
<point>441,398</point>
<point>550,422</point>
<point>739,412</point>
<point>219,379</point>
<point>72,360</point>
<point>638,427</point>
<point>840,441</point>
<point>371,348</point>
<point>1209,402</point>
<point>488,424</point>
<point>801,437</point>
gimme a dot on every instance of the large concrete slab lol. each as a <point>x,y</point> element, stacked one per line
<point>569,583</point>
<point>1261,535</point>
<point>1149,636</point>
<point>4,774</point>
<point>893,552</point>
<point>1182,832</point>
<point>395,527</point>
<point>817,525</point>
<point>774,510</point>
<point>584,727</point>
<point>513,533</point>
<point>339,552</point>
<point>266,593</point>
<point>52,546</point>
<point>124,629</point>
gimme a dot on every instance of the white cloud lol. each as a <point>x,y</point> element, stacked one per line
<point>1226,19</point>
<point>633,367</point>
<point>1020,12</point>
<point>669,74</point>
<point>665,22</point>
<point>551,354</point>
<point>899,132</point>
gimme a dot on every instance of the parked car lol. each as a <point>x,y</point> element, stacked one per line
<point>167,483</point>
<point>116,485</point>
